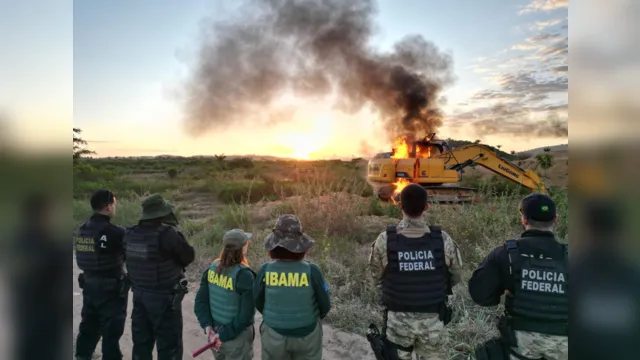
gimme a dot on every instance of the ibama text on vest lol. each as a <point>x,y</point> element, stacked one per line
<point>286,279</point>
<point>544,281</point>
<point>415,260</point>
<point>221,280</point>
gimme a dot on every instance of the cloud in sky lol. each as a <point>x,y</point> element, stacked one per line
<point>544,5</point>
<point>527,92</point>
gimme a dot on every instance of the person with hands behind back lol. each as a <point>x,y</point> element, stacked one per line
<point>224,302</point>
<point>291,294</point>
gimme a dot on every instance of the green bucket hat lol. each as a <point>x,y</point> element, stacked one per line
<point>288,234</point>
<point>155,207</point>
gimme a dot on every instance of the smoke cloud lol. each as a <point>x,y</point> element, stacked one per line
<point>313,49</point>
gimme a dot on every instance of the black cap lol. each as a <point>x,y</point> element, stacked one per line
<point>538,207</point>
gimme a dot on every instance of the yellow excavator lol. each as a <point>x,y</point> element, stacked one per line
<point>433,164</point>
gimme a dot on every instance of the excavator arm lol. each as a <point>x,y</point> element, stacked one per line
<point>459,158</point>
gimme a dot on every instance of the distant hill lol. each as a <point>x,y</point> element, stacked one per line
<point>458,143</point>
<point>554,148</point>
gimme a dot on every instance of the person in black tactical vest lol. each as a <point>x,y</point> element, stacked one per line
<point>224,303</point>
<point>157,255</point>
<point>415,267</point>
<point>532,272</point>
<point>291,295</point>
<point>100,255</point>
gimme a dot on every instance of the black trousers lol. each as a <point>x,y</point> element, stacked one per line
<point>104,312</point>
<point>154,321</point>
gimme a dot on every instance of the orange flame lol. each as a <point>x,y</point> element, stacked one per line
<point>400,184</point>
<point>424,153</point>
<point>401,148</point>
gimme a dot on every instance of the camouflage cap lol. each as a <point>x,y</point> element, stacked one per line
<point>155,207</point>
<point>288,234</point>
<point>236,238</point>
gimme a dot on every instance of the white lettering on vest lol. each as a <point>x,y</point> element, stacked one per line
<point>415,260</point>
<point>543,281</point>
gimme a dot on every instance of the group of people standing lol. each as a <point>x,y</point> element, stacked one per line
<point>289,292</point>
<point>413,265</point>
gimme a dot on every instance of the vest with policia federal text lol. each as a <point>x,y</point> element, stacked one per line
<point>88,245</point>
<point>146,268</point>
<point>224,301</point>
<point>290,301</point>
<point>540,302</point>
<point>415,279</point>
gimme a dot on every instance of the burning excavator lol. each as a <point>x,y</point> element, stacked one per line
<point>431,163</point>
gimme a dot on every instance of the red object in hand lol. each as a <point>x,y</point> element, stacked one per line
<point>203,349</point>
<point>213,344</point>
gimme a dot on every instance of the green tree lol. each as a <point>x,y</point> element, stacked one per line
<point>172,173</point>
<point>79,149</point>
<point>545,161</point>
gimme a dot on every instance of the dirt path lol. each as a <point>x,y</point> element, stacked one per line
<point>337,345</point>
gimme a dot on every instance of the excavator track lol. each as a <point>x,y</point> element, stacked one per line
<point>438,194</point>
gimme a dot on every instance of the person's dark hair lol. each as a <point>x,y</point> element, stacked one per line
<point>101,199</point>
<point>413,199</point>
<point>280,253</point>
<point>228,258</point>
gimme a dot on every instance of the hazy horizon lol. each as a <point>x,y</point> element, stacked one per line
<point>129,59</point>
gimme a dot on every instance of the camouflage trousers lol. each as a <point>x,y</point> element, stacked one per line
<point>535,346</point>
<point>425,332</point>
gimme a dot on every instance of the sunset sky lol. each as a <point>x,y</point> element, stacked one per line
<point>510,59</point>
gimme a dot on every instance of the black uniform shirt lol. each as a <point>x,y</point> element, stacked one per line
<point>114,235</point>
<point>172,244</point>
<point>490,280</point>
<point>110,240</point>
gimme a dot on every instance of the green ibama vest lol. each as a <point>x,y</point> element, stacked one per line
<point>290,301</point>
<point>224,301</point>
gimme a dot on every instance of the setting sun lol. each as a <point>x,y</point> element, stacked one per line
<point>302,144</point>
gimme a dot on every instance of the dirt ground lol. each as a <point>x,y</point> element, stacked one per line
<point>337,344</point>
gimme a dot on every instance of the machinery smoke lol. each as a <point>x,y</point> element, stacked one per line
<point>314,49</point>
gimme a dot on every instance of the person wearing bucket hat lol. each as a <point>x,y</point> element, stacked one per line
<point>157,255</point>
<point>291,294</point>
<point>224,302</point>
<point>532,272</point>
<point>100,255</point>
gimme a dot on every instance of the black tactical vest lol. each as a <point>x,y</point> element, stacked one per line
<point>415,279</point>
<point>88,255</point>
<point>540,302</point>
<point>146,268</point>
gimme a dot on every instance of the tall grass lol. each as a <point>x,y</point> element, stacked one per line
<point>345,221</point>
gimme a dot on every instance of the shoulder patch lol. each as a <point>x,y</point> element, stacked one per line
<point>511,244</point>
<point>325,287</point>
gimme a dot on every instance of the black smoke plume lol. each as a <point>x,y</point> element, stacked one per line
<point>312,49</point>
